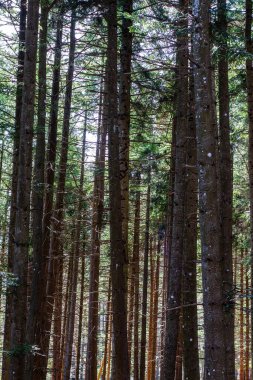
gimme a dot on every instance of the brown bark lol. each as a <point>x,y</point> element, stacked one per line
<point>124,113</point>
<point>108,316</point>
<point>38,194</point>
<point>57,219</point>
<point>226,186</point>
<point>21,240</point>
<point>117,248</point>
<point>38,360</point>
<point>151,312</point>
<point>190,317</point>
<point>15,159</point>
<point>145,283</point>
<point>176,255</point>
<point>136,264</point>
<point>249,81</point>
<point>247,327</point>
<point>72,309</point>
<point>241,318</point>
<point>80,321</point>
<point>97,220</point>
<point>57,329</point>
<point>213,299</point>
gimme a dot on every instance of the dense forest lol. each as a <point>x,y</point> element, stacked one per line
<point>126,189</point>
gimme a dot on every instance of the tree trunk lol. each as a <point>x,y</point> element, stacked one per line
<point>80,322</point>
<point>249,77</point>
<point>190,317</point>
<point>124,114</point>
<point>213,299</point>
<point>176,256</point>
<point>38,194</point>
<point>145,284</point>
<point>118,254</point>
<point>15,159</point>
<point>38,360</point>
<point>226,186</point>
<point>71,324</point>
<point>57,218</point>
<point>21,244</point>
<point>97,220</point>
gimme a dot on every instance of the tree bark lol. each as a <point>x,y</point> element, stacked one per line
<point>190,317</point>
<point>226,187</point>
<point>145,284</point>
<point>213,299</point>
<point>15,159</point>
<point>21,240</point>
<point>97,221</point>
<point>176,256</point>
<point>117,248</point>
<point>38,194</point>
<point>38,360</point>
<point>59,205</point>
<point>249,81</point>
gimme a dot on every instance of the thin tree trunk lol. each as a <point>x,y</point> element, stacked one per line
<point>117,248</point>
<point>39,360</point>
<point>249,78</point>
<point>80,322</point>
<point>151,312</point>
<point>190,317</point>
<point>21,244</point>
<point>97,220</point>
<point>213,299</point>
<point>241,318</point>
<point>145,284</point>
<point>71,325</point>
<point>57,329</point>
<point>247,336</point>
<point>155,318</point>
<point>59,203</point>
<point>176,257</point>
<point>124,114</point>
<point>106,354</point>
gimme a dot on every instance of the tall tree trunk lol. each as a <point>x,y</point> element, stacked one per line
<point>176,257</point>
<point>226,186</point>
<point>124,113</point>
<point>38,360</point>
<point>168,239</point>
<point>213,299</point>
<point>15,159</point>
<point>155,319</point>
<point>71,325</point>
<point>136,264</point>
<point>145,284</point>
<point>249,77</point>
<point>97,220</point>
<point>38,194</point>
<point>21,244</point>
<point>118,254</point>
<point>190,317</point>
<point>57,218</point>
